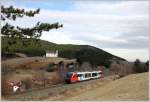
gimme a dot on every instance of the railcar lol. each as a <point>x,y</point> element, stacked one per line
<point>72,77</point>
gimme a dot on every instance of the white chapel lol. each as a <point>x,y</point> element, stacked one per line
<point>52,53</point>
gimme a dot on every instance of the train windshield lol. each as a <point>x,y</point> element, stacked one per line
<point>69,75</point>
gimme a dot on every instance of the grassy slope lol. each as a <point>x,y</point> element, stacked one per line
<point>133,87</point>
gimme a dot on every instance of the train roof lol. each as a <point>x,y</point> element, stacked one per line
<point>78,72</point>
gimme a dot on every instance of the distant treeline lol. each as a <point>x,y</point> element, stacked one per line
<point>38,48</point>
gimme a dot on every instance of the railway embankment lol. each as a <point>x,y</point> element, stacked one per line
<point>58,91</point>
<point>133,87</point>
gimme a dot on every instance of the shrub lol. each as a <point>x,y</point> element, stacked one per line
<point>140,67</point>
<point>36,60</point>
<point>27,82</point>
<point>5,87</point>
<point>6,69</point>
<point>5,55</point>
<point>50,67</point>
<point>115,67</point>
<point>25,66</point>
<point>147,63</point>
<point>86,66</point>
<point>121,68</point>
<point>39,74</point>
<point>55,80</point>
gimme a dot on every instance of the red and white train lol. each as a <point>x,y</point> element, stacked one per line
<point>72,77</point>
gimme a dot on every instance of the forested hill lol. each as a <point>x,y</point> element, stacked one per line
<point>82,53</point>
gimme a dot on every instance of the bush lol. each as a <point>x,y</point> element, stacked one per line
<point>5,55</point>
<point>115,67</point>
<point>86,66</point>
<point>140,67</point>
<point>5,87</point>
<point>25,66</point>
<point>50,67</point>
<point>6,69</point>
<point>121,68</point>
<point>36,60</point>
<point>27,82</point>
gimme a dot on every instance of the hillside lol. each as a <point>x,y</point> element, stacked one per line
<point>130,88</point>
<point>81,52</point>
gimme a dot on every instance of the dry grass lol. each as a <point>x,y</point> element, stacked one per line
<point>43,63</point>
<point>24,68</point>
<point>19,61</point>
<point>133,87</point>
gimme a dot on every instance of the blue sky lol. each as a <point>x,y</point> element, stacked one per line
<point>44,4</point>
<point>47,5</point>
<point>117,26</point>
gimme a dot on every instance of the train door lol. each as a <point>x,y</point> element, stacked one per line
<point>80,77</point>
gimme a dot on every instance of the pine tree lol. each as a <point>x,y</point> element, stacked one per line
<point>13,33</point>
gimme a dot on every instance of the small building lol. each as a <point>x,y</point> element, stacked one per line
<point>52,53</point>
<point>67,65</point>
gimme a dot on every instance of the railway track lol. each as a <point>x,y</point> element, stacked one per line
<point>34,94</point>
<point>36,89</point>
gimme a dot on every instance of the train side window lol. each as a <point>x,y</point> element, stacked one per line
<point>69,75</point>
<point>94,74</point>
<point>89,74</point>
<point>79,75</point>
<point>86,75</point>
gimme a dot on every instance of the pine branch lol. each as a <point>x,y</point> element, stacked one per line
<point>15,33</point>
<point>12,13</point>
